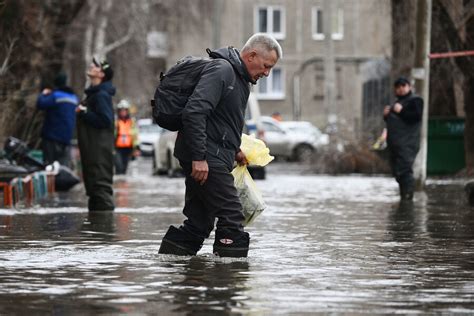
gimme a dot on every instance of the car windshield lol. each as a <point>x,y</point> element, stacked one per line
<point>150,129</point>
<point>270,127</point>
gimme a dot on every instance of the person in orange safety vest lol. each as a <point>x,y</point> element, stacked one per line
<point>126,137</point>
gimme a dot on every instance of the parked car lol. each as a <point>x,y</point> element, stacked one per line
<point>165,163</point>
<point>307,128</point>
<point>296,141</point>
<point>148,135</point>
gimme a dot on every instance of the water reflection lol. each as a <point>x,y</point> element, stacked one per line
<point>207,284</point>
<point>404,222</point>
<point>99,224</point>
<point>449,217</point>
<point>32,226</point>
<point>107,226</point>
<point>122,192</point>
<point>341,245</point>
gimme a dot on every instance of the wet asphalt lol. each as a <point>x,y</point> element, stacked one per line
<point>324,245</point>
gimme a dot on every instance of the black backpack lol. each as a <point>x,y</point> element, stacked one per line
<point>175,87</point>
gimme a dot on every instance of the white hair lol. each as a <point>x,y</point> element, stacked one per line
<point>265,42</point>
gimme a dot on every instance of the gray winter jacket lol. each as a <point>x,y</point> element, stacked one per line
<point>213,118</point>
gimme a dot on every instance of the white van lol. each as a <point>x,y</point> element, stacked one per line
<point>165,163</point>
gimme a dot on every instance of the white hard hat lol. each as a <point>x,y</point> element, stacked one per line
<point>123,104</point>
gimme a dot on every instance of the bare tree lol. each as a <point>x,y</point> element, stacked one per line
<point>118,30</point>
<point>95,41</point>
<point>31,46</point>
<point>8,47</point>
<point>460,36</point>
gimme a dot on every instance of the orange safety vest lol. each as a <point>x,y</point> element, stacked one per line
<point>124,134</point>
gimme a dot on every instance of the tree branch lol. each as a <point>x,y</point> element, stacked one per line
<point>110,47</point>
<point>454,39</point>
<point>11,46</point>
<point>468,14</point>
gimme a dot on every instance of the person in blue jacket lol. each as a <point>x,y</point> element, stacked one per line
<point>60,119</point>
<point>95,135</point>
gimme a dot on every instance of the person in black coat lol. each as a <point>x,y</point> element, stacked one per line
<point>403,120</point>
<point>95,134</point>
<point>208,145</point>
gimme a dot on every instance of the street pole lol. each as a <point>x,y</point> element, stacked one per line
<point>421,74</point>
<point>296,97</point>
<point>329,62</point>
<point>216,24</point>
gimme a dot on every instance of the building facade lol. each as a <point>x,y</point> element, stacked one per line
<point>331,48</point>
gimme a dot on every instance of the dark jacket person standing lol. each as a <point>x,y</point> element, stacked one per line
<point>208,145</point>
<point>60,119</point>
<point>95,133</point>
<point>403,121</point>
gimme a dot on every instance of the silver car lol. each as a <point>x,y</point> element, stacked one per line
<point>148,134</point>
<point>292,140</point>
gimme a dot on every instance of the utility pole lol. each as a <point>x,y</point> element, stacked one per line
<point>298,73</point>
<point>329,62</point>
<point>216,24</point>
<point>421,73</point>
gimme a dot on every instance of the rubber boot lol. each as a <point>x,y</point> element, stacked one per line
<point>406,194</point>
<point>230,243</point>
<point>100,204</point>
<point>180,243</point>
<point>469,188</point>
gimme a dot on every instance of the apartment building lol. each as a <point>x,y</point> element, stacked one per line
<point>332,50</point>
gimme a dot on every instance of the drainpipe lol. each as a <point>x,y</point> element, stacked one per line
<point>296,97</point>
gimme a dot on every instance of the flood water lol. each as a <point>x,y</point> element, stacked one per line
<point>324,245</point>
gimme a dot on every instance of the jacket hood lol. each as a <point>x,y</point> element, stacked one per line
<point>232,55</point>
<point>105,86</point>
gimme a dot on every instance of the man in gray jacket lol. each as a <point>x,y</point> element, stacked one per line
<point>209,143</point>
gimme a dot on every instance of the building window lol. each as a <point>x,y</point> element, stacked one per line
<point>319,83</point>
<point>271,20</point>
<point>337,25</point>
<point>317,23</point>
<point>271,87</point>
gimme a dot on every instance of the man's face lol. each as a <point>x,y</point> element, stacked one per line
<point>260,63</point>
<point>95,72</point>
<point>402,89</point>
